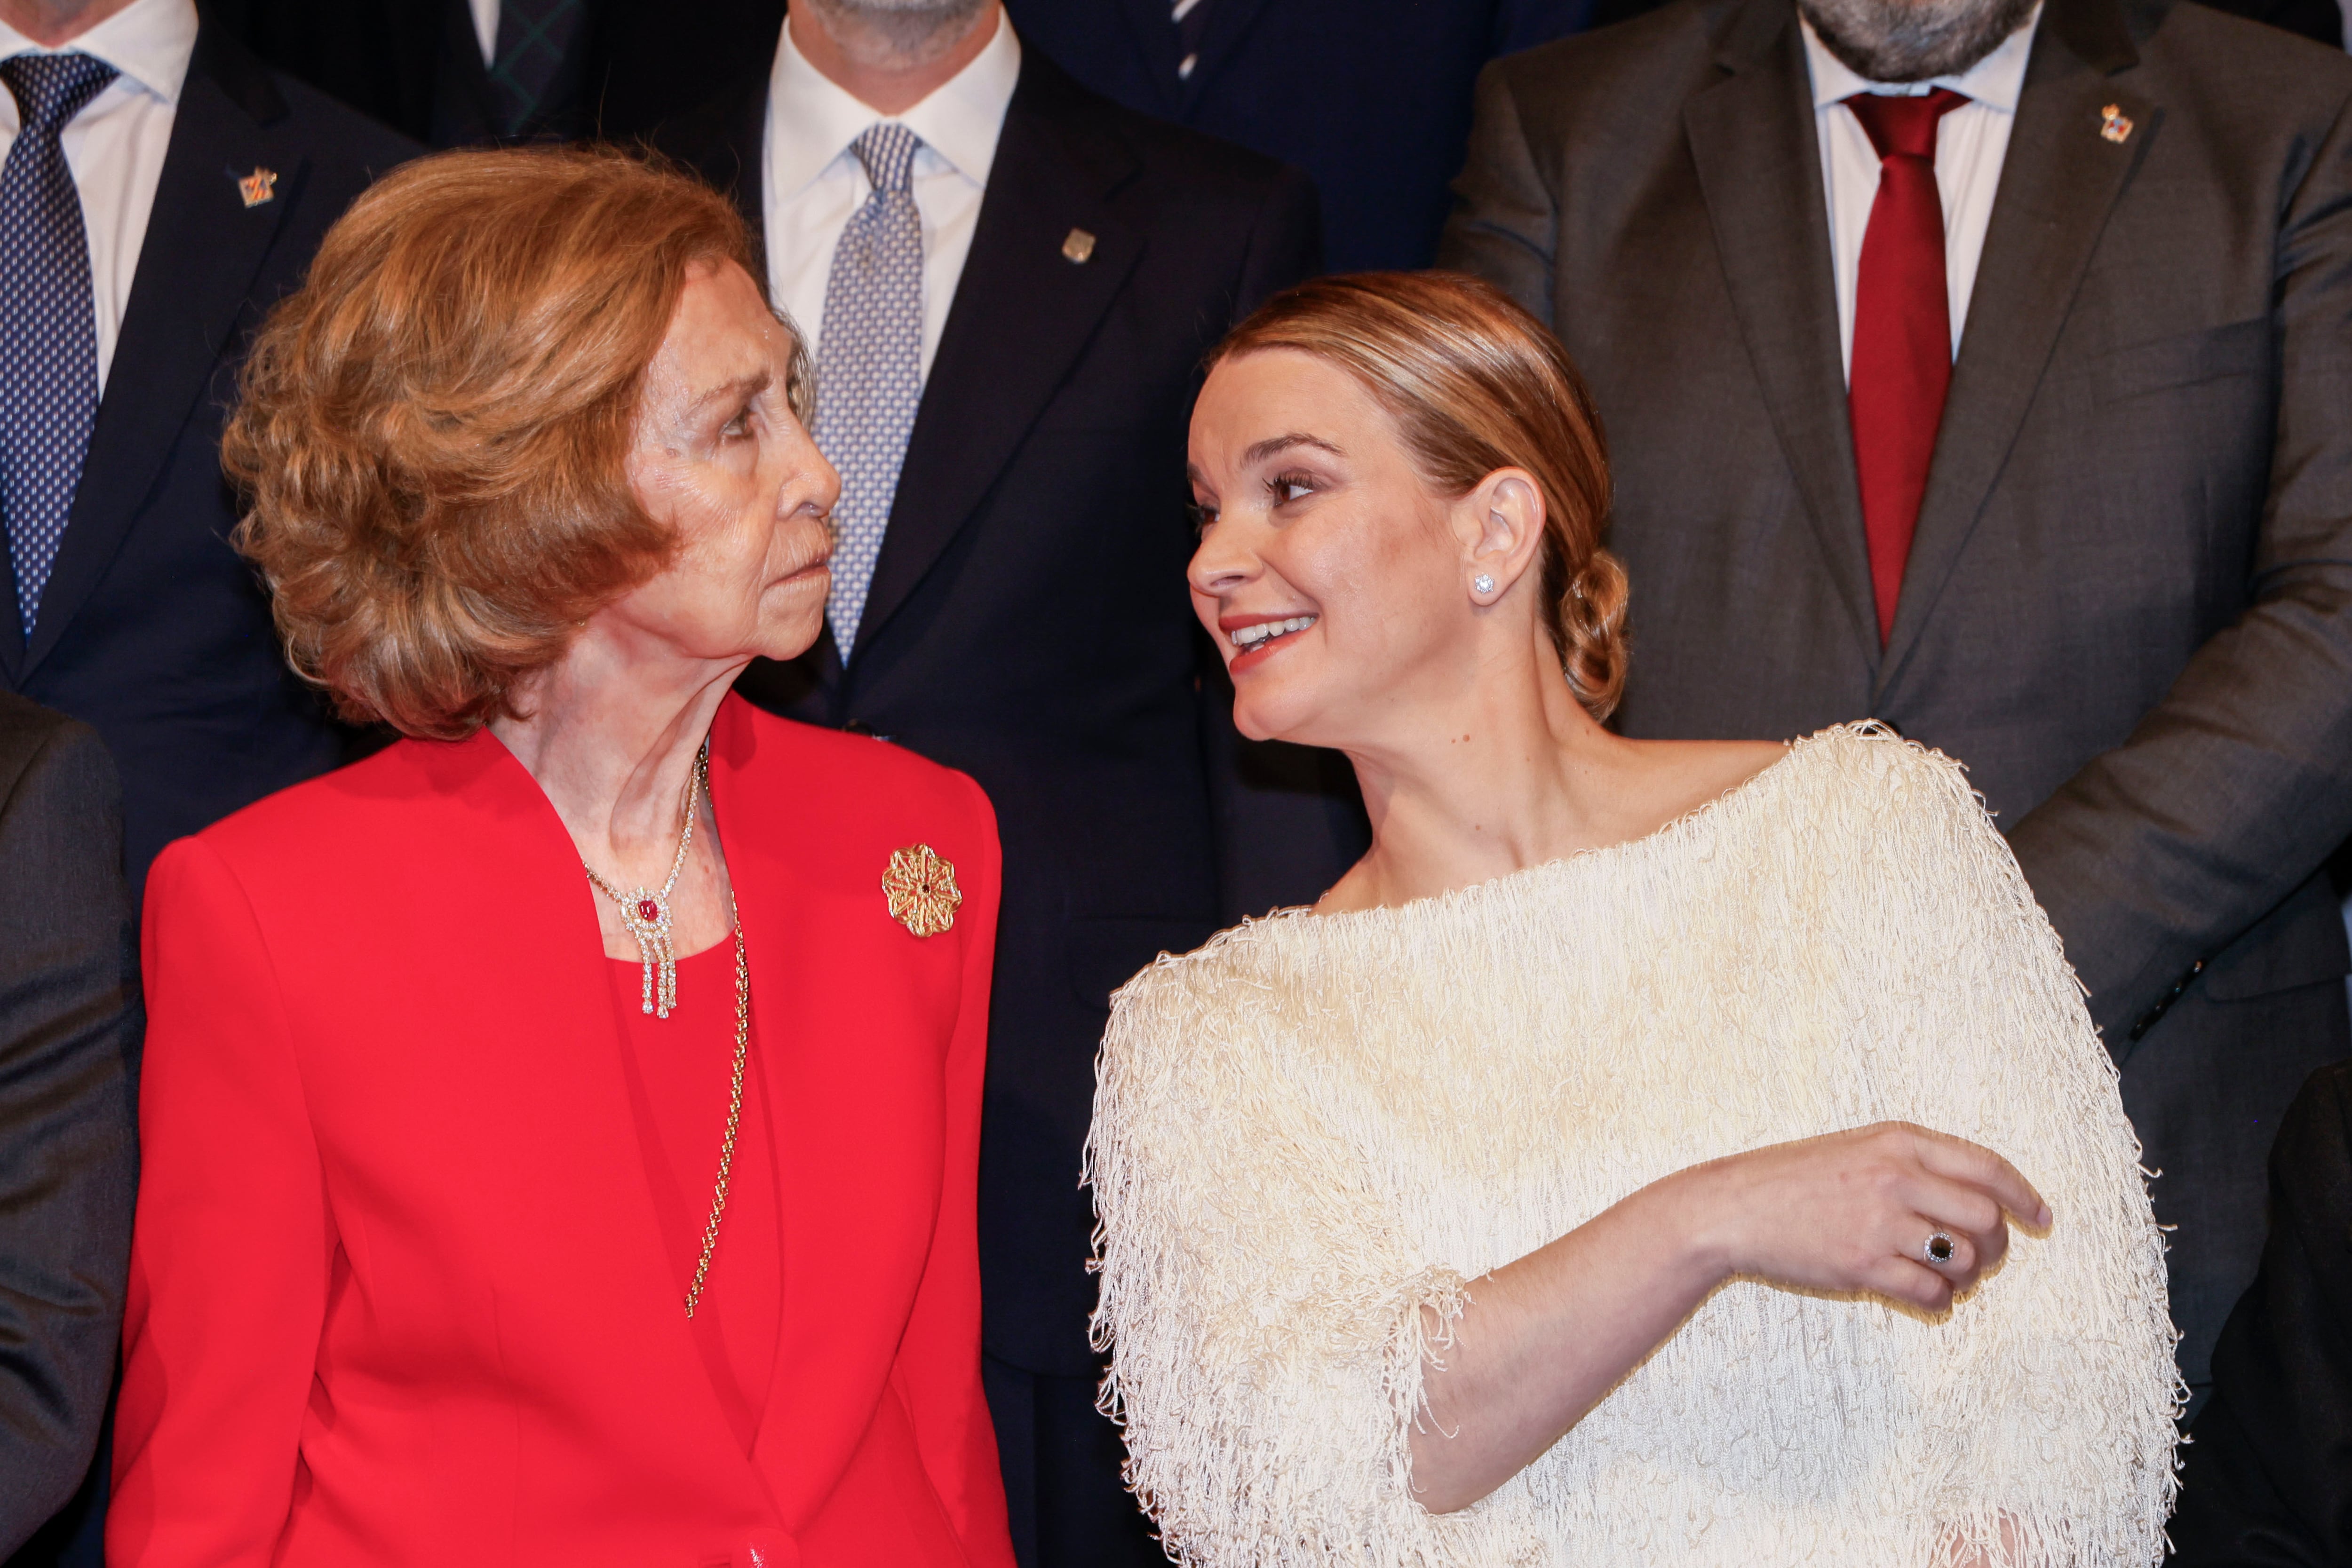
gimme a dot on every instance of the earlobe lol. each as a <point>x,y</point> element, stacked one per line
<point>1512,527</point>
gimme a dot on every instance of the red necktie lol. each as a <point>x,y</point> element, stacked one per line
<point>1902,331</point>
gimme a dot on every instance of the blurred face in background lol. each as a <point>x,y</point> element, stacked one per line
<point>897,33</point>
<point>1913,40</point>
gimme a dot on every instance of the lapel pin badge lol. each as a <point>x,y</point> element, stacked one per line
<point>1078,248</point>
<point>2114,124</point>
<point>258,187</point>
<point>921,890</point>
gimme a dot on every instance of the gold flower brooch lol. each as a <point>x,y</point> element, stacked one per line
<point>921,888</point>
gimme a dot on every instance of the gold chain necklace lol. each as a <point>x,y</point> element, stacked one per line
<point>734,1109</point>
<point>644,911</point>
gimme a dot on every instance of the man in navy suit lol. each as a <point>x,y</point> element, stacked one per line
<point>162,188</point>
<point>1009,284</point>
<point>1370,97</point>
<point>159,188</point>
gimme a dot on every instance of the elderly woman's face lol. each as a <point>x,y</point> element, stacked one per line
<point>720,457</point>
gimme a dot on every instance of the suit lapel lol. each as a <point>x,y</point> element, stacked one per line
<point>746,127</point>
<point>197,266</point>
<point>1759,171</point>
<point>2058,183</point>
<point>792,942</point>
<point>849,1068</point>
<point>1023,312</point>
<point>509,1087</point>
<point>725,144</point>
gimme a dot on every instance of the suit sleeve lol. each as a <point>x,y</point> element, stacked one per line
<point>938,1370</point>
<point>2266,1482</point>
<point>2233,790</point>
<point>230,1267</point>
<point>68,1041</point>
<point>1505,217</point>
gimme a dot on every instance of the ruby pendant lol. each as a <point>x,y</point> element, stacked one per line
<point>646,915</point>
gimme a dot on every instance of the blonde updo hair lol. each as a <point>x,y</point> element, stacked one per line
<point>433,432</point>
<point>1475,383</point>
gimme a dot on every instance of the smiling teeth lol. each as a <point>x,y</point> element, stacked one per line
<point>1248,637</point>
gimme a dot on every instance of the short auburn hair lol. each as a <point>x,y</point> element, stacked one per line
<point>433,431</point>
<point>1475,383</point>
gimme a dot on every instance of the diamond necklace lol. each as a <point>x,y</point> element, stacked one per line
<point>644,911</point>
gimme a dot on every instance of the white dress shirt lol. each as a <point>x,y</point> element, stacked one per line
<point>1970,143</point>
<point>115,146</point>
<point>810,181</point>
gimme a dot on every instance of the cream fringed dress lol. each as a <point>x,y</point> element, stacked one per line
<point>1316,1126</point>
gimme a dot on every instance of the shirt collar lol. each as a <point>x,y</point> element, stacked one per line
<point>1994,81</point>
<point>149,41</point>
<point>811,119</point>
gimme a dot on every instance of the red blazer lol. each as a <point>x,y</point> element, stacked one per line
<point>398,1293</point>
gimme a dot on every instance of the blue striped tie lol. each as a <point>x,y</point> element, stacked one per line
<point>49,320</point>
<point>869,365</point>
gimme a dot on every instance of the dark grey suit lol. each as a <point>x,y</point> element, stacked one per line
<point>2128,606</point>
<point>69,1025</point>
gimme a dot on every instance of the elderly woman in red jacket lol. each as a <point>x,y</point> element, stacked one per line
<point>560,1128</point>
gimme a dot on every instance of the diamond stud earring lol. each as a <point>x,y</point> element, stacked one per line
<point>1482,584</point>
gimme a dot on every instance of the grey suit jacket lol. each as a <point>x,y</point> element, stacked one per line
<point>70,1030</point>
<point>2128,605</point>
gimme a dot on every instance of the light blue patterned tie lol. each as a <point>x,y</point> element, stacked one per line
<point>869,365</point>
<point>48,322</point>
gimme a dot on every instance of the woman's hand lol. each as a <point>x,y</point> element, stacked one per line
<point>1854,1211</point>
<point>1545,1338</point>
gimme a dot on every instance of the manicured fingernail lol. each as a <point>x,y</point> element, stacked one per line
<point>2041,1221</point>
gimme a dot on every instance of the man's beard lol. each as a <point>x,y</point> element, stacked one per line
<point>1913,40</point>
<point>913,31</point>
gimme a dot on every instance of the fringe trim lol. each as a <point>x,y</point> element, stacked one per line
<point>1309,1133</point>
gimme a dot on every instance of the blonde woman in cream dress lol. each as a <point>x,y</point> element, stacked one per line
<point>1650,1153</point>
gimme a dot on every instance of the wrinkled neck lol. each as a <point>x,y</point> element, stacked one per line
<point>611,734</point>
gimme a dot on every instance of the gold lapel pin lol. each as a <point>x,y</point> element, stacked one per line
<point>1078,248</point>
<point>2114,124</point>
<point>921,888</point>
<point>258,187</point>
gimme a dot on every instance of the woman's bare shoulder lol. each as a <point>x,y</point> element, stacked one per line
<point>1681,776</point>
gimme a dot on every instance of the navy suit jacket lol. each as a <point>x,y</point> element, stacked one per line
<point>417,64</point>
<point>153,631</point>
<point>1029,624</point>
<point>1369,97</point>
